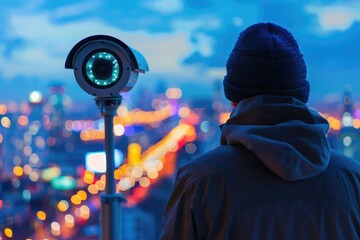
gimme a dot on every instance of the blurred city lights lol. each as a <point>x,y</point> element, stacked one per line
<point>27,169</point>
<point>205,126</point>
<point>15,182</point>
<point>34,176</point>
<point>69,220</point>
<point>88,177</point>
<point>223,117</point>
<point>27,150</point>
<point>144,182</point>
<point>55,228</point>
<point>184,112</point>
<point>75,199</point>
<point>347,141</point>
<point>23,121</point>
<point>347,119</point>
<point>356,123</point>
<point>63,183</point>
<point>190,148</point>
<point>100,185</point>
<point>3,109</point>
<point>8,232</point>
<point>5,122</point>
<point>119,130</point>
<point>153,174</point>
<point>137,172</point>
<point>145,164</point>
<point>335,124</point>
<point>123,118</point>
<point>35,97</point>
<point>18,171</point>
<point>41,215</point>
<point>63,205</point>
<point>173,93</point>
<point>92,189</point>
<point>96,161</point>
<point>82,195</point>
<point>50,173</point>
<point>134,154</point>
<point>26,195</point>
<point>124,184</point>
<point>84,211</point>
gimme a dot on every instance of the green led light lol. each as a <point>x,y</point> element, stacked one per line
<point>102,69</point>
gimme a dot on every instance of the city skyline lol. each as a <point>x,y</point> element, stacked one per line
<point>185,42</point>
<point>45,152</point>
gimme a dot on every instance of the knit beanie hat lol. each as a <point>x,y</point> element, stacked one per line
<point>266,60</point>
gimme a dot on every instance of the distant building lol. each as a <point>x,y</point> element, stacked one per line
<point>349,136</point>
<point>57,114</point>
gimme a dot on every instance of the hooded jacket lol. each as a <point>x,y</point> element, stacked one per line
<point>274,176</point>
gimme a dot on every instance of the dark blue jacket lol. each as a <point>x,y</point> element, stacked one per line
<point>273,177</point>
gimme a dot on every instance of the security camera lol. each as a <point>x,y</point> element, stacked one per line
<point>105,66</point>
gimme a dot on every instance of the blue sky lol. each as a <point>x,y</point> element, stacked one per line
<point>186,42</point>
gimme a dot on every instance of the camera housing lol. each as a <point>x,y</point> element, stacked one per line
<point>104,65</point>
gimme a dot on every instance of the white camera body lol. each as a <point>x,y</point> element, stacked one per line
<point>105,66</point>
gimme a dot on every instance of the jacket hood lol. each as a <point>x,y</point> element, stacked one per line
<point>283,132</point>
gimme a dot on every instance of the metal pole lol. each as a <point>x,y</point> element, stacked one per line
<point>109,151</point>
<point>110,201</point>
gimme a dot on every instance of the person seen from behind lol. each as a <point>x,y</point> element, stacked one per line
<point>274,176</point>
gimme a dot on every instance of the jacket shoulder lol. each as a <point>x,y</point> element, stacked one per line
<point>221,158</point>
<point>339,160</point>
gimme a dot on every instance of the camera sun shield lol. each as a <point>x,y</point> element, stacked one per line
<point>104,66</point>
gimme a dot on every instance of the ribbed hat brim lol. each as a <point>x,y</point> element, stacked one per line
<point>236,94</point>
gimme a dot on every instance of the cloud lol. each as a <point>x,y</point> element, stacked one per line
<point>41,39</point>
<point>339,17</point>
<point>216,72</point>
<point>165,6</point>
<point>75,9</point>
<point>237,21</point>
<point>204,23</point>
<point>202,42</point>
<point>205,44</point>
<point>45,45</point>
<point>31,62</point>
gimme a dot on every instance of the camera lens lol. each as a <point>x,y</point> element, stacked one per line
<point>103,69</point>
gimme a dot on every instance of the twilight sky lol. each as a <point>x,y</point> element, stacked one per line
<point>186,42</point>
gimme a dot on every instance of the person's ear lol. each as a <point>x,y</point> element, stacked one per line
<point>234,104</point>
